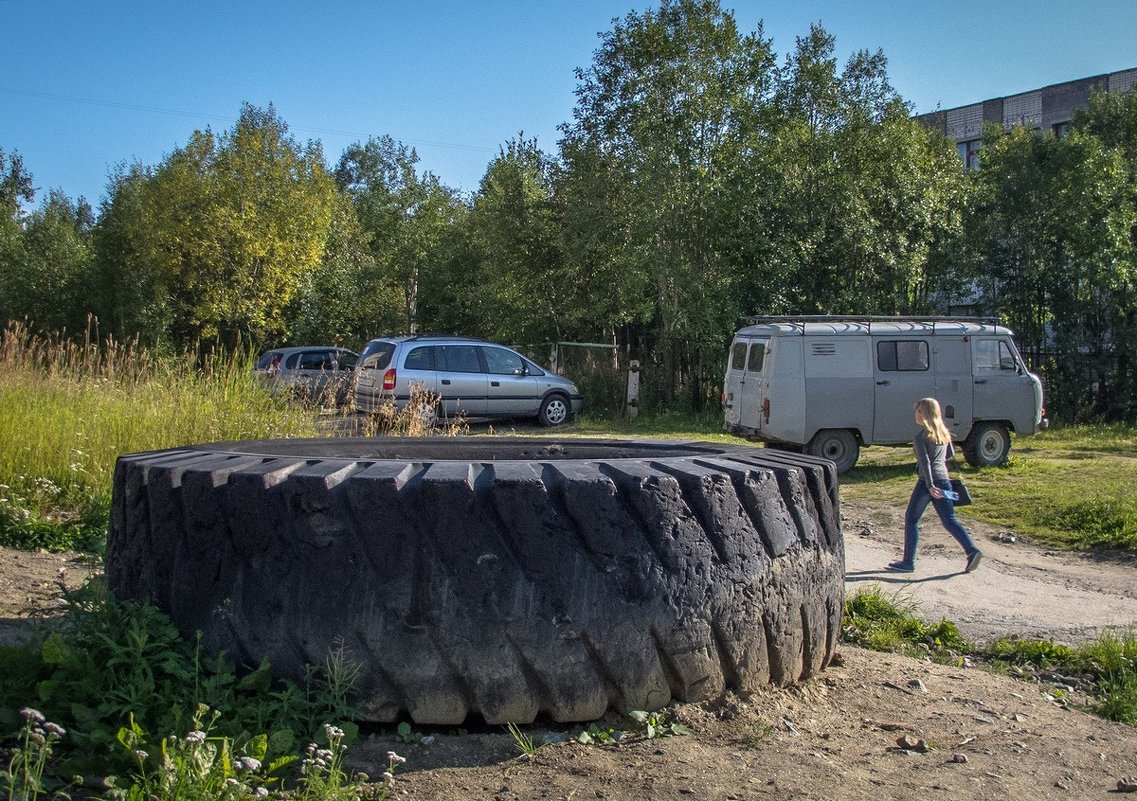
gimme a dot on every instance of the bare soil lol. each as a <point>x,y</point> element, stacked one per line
<point>872,725</point>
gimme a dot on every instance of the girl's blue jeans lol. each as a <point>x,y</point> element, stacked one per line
<point>917,504</point>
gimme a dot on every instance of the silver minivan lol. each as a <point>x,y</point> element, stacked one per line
<point>471,377</point>
<point>828,385</point>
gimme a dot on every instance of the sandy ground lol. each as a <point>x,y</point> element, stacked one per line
<point>871,726</point>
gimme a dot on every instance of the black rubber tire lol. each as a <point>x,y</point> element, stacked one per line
<point>555,411</point>
<point>838,445</point>
<point>500,577</point>
<point>988,445</point>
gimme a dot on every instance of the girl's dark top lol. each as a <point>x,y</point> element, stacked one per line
<point>931,459</point>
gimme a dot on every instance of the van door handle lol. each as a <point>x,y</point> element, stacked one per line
<point>446,381</point>
<point>495,383</point>
<point>981,381</point>
<point>883,383</point>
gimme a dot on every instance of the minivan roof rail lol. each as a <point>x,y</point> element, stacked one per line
<point>867,319</point>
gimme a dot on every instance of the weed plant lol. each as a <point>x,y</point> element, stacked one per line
<point>873,620</point>
<point>112,662</point>
<point>69,409</point>
<point>1106,665</point>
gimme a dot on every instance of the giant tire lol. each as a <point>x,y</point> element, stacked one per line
<point>492,577</point>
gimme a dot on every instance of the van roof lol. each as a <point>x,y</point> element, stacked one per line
<point>877,326</point>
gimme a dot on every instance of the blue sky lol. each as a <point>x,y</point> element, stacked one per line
<point>87,84</point>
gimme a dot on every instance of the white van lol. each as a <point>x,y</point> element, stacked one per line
<point>828,385</point>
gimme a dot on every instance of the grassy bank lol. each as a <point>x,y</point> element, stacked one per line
<point>68,410</point>
<point>1069,488</point>
<point>1105,669</point>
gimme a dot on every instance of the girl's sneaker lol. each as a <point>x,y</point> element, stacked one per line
<point>900,567</point>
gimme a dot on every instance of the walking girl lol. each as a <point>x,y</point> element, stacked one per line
<point>932,446</point>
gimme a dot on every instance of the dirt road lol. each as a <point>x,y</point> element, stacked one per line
<point>1019,588</point>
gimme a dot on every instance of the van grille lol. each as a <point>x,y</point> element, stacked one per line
<point>823,348</point>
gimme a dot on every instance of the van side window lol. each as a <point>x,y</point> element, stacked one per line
<point>461,358</point>
<point>901,355</point>
<point>993,354</point>
<point>420,359</point>
<point>757,356</point>
<point>738,356</point>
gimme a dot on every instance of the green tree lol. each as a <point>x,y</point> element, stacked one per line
<point>855,193</point>
<point>1049,235</point>
<point>407,217</point>
<point>659,121</point>
<point>53,279</point>
<point>224,230</point>
<point>516,233</point>
<point>15,190</point>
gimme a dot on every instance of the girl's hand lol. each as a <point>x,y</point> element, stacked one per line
<point>935,491</point>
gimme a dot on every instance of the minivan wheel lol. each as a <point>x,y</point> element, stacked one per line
<point>838,445</point>
<point>988,445</point>
<point>554,411</point>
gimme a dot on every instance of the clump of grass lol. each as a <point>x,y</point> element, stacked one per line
<point>1106,667</point>
<point>419,417</point>
<point>68,409</point>
<point>882,623</point>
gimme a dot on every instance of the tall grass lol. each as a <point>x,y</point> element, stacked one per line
<point>69,409</point>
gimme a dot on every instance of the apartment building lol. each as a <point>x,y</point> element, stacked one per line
<point>1050,108</point>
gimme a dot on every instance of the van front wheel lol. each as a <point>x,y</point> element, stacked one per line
<point>838,445</point>
<point>988,445</point>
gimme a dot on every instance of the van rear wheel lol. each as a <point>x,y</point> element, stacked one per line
<point>988,445</point>
<point>838,445</point>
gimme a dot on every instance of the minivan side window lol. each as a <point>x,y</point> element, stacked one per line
<point>902,355</point>
<point>461,358</point>
<point>291,362</point>
<point>738,356</point>
<point>993,354</point>
<point>421,358</point>
<point>500,361</point>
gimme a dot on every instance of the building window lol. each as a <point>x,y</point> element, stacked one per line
<point>1060,129</point>
<point>969,153</point>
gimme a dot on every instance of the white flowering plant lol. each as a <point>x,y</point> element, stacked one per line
<point>23,778</point>
<point>198,765</point>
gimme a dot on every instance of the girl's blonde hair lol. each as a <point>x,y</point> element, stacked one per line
<point>931,419</point>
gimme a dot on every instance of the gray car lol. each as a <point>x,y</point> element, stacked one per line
<point>470,376</point>
<point>311,373</point>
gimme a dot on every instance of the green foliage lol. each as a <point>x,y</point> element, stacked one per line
<point>1038,653</point>
<point>659,724</point>
<point>405,733</point>
<point>115,662</point>
<point>68,410</point>
<point>596,734</point>
<point>874,620</point>
<point>525,744</point>
<point>198,765</point>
